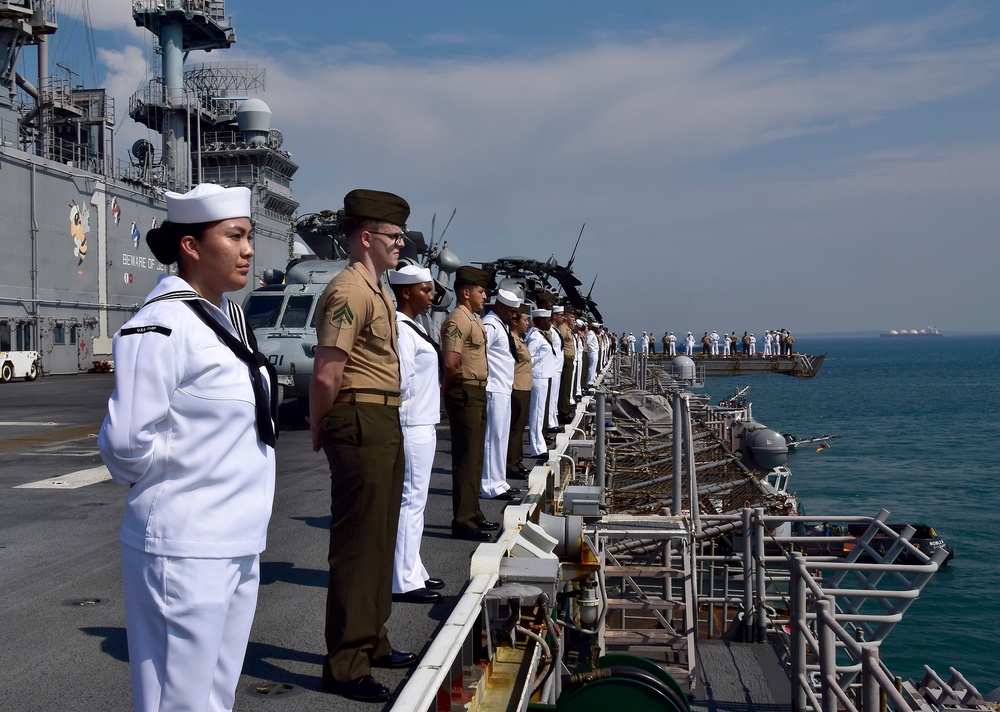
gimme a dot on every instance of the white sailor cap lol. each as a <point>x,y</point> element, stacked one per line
<point>410,274</point>
<point>581,322</point>
<point>508,298</point>
<point>558,309</point>
<point>539,313</point>
<point>208,202</point>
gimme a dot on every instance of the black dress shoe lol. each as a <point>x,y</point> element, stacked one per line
<point>472,534</point>
<point>397,658</point>
<point>434,583</point>
<point>488,525</point>
<point>417,595</point>
<point>364,689</point>
<point>517,475</point>
<point>503,496</point>
<point>552,431</point>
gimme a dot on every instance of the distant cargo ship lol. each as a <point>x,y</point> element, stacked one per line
<point>929,331</point>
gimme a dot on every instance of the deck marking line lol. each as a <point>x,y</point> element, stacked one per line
<point>74,480</point>
<point>22,442</point>
<point>28,423</point>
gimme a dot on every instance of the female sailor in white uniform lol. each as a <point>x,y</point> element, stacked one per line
<point>419,414</point>
<point>190,428</point>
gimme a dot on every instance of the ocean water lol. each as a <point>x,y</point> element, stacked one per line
<point>920,420</point>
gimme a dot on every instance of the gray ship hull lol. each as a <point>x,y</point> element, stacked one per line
<point>76,265</point>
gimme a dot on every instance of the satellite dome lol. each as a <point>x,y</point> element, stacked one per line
<point>768,447</point>
<point>682,367</point>
<point>254,119</point>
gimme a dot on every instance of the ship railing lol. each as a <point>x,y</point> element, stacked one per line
<point>448,674</point>
<point>215,9</point>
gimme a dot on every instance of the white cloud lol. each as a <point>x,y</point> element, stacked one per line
<point>683,158</point>
<point>102,14</point>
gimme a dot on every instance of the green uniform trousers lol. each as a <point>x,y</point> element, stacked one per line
<point>466,406</point>
<point>565,384</point>
<point>520,404</point>
<point>364,446</point>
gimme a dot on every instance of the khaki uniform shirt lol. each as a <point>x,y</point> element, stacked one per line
<point>356,315</point>
<point>569,343</point>
<point>522,369</point>
<point>463,332</point>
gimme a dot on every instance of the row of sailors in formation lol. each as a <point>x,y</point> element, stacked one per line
<point>778,342</point>
<point>517,367</point>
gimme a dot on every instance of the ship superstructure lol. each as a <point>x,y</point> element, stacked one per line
<point>73,214</point>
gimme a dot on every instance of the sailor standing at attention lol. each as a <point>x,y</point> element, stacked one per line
<point>354,418</point>
<point>557,346</point>
<point>419,413</point>
<point>501,357</point>
<point>542,362</point>
<point>578,364</point>
<point>190,428</point>
<point>673,344</point>
<point>593,346</point>
<point>463,341</point>
<point>689,344</point>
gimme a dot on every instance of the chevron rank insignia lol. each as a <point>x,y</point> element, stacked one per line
<point>343,316</point>
<point>455,333</point>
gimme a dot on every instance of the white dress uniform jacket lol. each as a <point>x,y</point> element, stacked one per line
<point>182,432</point>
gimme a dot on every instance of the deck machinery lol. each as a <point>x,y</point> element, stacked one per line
<point>653,566</point>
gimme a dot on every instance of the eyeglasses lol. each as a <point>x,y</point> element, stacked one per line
<point>394,236</point>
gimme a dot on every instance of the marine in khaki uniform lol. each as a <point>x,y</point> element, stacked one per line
<point>354,417</point>
<point>520,396</point>
<point>569,359</point>
<point>463,345</point>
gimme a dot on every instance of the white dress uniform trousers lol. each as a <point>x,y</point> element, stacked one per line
<point>203,613</point>
<point>419,444</point>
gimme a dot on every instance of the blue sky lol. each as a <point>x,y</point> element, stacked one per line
<point>739,165</point>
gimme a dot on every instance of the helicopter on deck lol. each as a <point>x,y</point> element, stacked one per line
<point>282,313</point>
